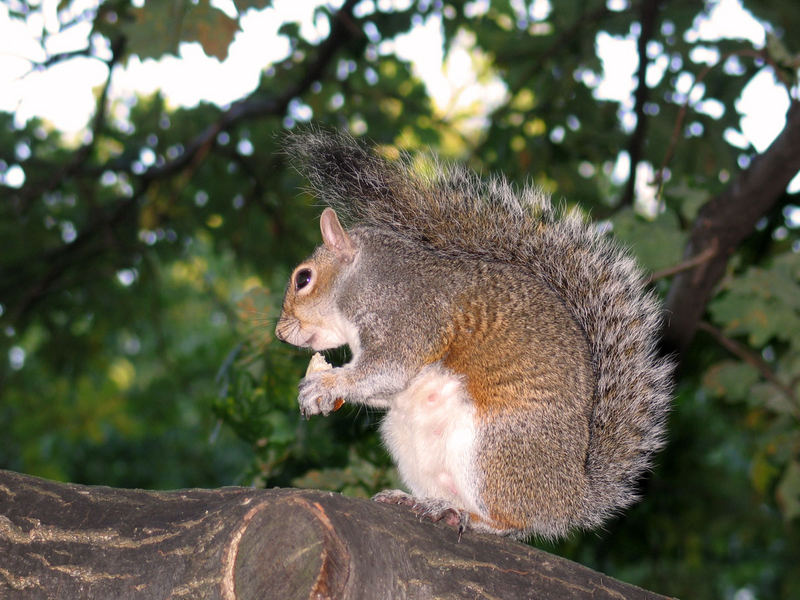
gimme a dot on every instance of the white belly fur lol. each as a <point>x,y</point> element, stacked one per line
<point>430,432</point>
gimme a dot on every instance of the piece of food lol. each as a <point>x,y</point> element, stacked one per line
<point>318,363</point>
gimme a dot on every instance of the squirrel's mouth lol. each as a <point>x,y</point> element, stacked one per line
<point>289,331</point>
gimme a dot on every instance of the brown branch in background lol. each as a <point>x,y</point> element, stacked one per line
<point>648,19</point>
<point>343,30</point>
<point>82,18</point>
<point>61,57</point>
<point>684,109</point>
<point>101,112</point>
<point>723,223</point>
<point>25,196</point>
<point>753,359</point>
<point>685,265</point>
<point>64,258</point>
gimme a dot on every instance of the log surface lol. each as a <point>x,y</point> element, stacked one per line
<point>62,540</point>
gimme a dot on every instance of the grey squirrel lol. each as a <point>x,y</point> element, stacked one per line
<point>512,346</point>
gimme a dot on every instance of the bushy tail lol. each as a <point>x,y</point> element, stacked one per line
<point>453,212</point>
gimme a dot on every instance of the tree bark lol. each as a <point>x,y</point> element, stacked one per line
<point>723,223</point>
<point>61,540</point>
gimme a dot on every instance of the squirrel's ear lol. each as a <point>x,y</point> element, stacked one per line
<point>335,237</point>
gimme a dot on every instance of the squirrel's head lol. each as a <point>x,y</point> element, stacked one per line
<point>310,317</point>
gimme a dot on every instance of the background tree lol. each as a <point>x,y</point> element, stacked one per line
<point>142,263</point>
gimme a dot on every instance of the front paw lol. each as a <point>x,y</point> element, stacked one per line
<point>317,395</point>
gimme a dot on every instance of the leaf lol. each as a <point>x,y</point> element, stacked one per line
<point>762,472</point>
<point>788,491</point>
<point>780,54</point>
<point>769,396</point>
<point>243,5</point>
<point>764,303</point>
<point>212,28</point>
<point>159,27</point>
<point>283,428</point>
<point>256,311</point>
<point>691,197</point>
<point>358,478</point>
<point>730,379</point>
<point>657,244</point>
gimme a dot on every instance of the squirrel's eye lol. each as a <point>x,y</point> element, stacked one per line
<point>301,278</point>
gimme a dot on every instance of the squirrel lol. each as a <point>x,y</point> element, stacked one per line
<point>512,345</point>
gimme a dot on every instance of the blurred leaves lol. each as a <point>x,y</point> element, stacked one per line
<point>657,244</point>
<point>731,380</point>
<point>763,303</point>
<point>159,27</point>
<point>359,478</point>
<point>788,491</point>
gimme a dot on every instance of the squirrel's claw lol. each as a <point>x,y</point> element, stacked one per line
<point>430,509</point>
<point>315,397</point>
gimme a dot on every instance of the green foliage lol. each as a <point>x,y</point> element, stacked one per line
<point>159,27</point>
<point>763,303</point>
<point>142,265</point>
<point>657,244</point>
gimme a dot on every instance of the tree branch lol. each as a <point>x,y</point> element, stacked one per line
<point>684,265</point>
<point>754,360</point>
<point>342,31</point>
<point>78,159</point>
<point>63,258</point>
<point>724,222</point>
<point>70,541</point>
<point>684,109</point>
<point>648,19</point>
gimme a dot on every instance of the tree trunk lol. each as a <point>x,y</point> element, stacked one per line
<point>71,541</point>
<point>723,223</point>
